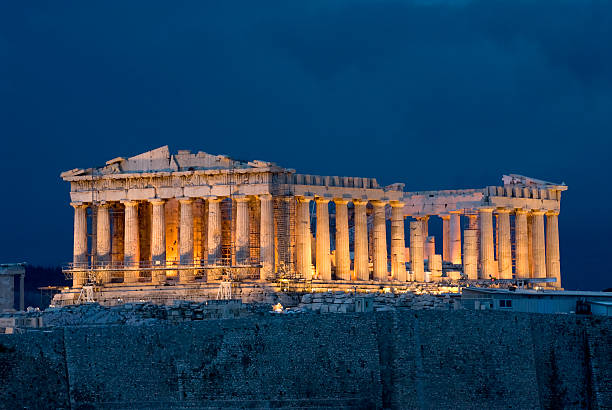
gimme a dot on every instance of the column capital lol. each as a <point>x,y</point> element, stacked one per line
<point>265,197</point>
<point>444,217</point>
<point>241,198</point>
<point>185,200</point>
<point>486,209</point>
<point>128,202</point>
<point>360,201</point>
<point>378,203</point>
<point>502,210</point>
<point>78,204</point>
<point>157,201</point>
<point>304,198</point>
<point>396,204</point>
<point>456,211</point>
<point>520,211</point>
<point>321,200</point>
<point>552,212</point>
<point>538,211</point>
<point>420,217</point>
<point>102,204</point>
<point>214,199</point>
<point>341,201</point>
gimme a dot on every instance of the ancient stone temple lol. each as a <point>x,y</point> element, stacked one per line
<point>192,219</point>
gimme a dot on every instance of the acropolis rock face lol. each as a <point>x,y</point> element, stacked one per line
<point>196,218</point>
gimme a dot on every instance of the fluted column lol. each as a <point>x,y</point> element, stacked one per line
<point>158,239</point>
<point>398,243</point>
<point>470,253</point>
<point>416,250</point>
<point>131,256</point>
<point>214,230</point>
<point>380,241</point>
<point>445,237</point>
<point>266,240</point>
<point>322,240</point>
<point>362,271</point>
<point>455,237</point>
<point>521,250</point>
<point>186,239</point>
<point>487,252</point>
<point>242,230</point>
<point>504,244</point>
<point>303,235</point>
<point>103,239</point>
<point>79,257</point>
<point>553,263</point>
<point>539,245</point>
<point>343,256</point>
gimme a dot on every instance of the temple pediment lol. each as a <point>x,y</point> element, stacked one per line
<point>521,180</point>
<point>161,160</point>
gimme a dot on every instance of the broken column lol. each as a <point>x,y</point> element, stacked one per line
<point>487,252</point>
<point>398,243</point>
<point>504,245</point>
<point>416,250</point>
<point>343,257</point>
<point>430,247</point>
<point>380,242</point>
<point>323,260</point>
<point>553,264</point>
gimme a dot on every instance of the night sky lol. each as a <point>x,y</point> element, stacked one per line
<point>434,94</point>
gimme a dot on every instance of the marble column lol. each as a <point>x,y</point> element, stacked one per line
<point>79,258</point>
<point>131,256</point>
<point>470,253</point>
<point>539,245</point>
<point>266,238</point>
<point>553,263</point>
<point>398,242</point>
<point>455,237</point>
<point>429,247</point>
<point>445,237</point>
<point>530,243</point>
<point>380,242</point>
<point>118,221</point>
<point>322,240</point>
<point>242,230</point>
<point>303,237</point>
<point>416,250</point>
<point>343,256</point>
<point>214,231</point>
<point>158,240</point>
<point>487,251</point>
<point>521,251</point>
<point>186,239</point>
<point>504,245</point>
<point>362,271</point>
<point>103,240</point>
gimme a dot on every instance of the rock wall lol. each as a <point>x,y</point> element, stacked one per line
<point>403,359</point>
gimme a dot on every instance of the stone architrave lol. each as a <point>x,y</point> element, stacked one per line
<point>362,271</point>
<point>343,257</point>
<point>323,260</point>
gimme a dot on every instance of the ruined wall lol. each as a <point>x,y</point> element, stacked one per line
<point>408,359</point>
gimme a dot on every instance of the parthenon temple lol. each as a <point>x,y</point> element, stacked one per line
<point>160,218</point>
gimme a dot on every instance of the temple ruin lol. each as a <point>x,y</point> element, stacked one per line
<point>192,220</point>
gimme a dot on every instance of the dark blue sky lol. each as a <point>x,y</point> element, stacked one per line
<point>435,94</point>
